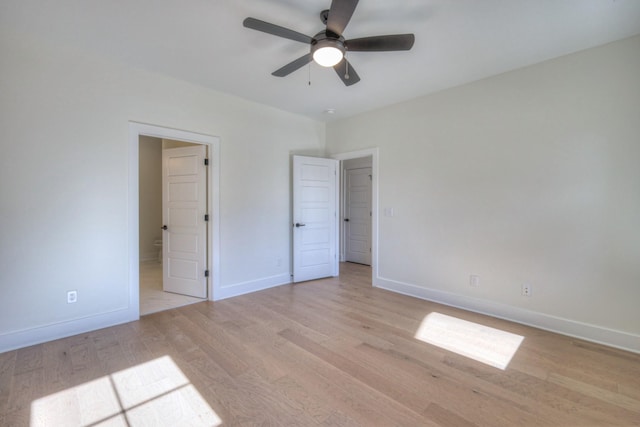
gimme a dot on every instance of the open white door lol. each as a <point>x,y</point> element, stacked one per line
<point>314,218</point>
<point>184,206</point>
<point>357,215</point>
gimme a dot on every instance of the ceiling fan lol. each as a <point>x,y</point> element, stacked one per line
<point>328,47</point>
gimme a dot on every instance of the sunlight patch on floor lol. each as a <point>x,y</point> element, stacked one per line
<point>153,393</point>
<point>481,343</point>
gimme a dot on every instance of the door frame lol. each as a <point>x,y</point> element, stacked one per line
<point>374,153</point>
<point>213,205</point>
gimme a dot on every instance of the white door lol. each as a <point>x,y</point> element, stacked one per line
<point>314,218</point>
<point>184,204</point>
<point>357,215</point>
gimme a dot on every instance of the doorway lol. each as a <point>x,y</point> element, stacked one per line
<point>144,259</point>
<point>172,189</point>
<point>361,159</point>
<point>357,178</point>
<point>367,158</point>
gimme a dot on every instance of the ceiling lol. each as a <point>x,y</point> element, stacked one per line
<point>204,42</point>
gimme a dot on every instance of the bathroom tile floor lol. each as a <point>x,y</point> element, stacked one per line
<point>152,297</point>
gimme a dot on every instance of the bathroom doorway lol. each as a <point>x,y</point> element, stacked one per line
<point>157,282</point>
<point>361,159</point>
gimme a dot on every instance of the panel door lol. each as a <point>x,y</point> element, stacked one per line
<point>184,205</point>
<point>358,215</point>
<point>314,218</point>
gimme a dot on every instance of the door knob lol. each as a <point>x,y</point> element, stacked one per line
<point>164,227</point>
<point>300,225</point>
<point>346,220</point>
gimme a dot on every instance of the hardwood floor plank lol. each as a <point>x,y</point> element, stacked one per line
<point>58,369</point>
<point>607,396</point>
<point>338,418</point>
<point>467,396</point>
<point>412,401</point>
<point>446,418</point>
<point>19,417</point>
<point>345,393</point>
<point>7,369</point>
<point>629,390</point>
<point>304,399</point>
<point>580,406</point>
<point>28,359</point>
<point>25,388</point>
<point>214,340</point>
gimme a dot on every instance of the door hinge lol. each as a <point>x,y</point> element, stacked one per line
<point>206,273</point>
<point>206,217</point>
<point>206,162</point>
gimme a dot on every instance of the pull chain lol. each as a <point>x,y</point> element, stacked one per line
<point>346,63</point>
<point>309,73</point>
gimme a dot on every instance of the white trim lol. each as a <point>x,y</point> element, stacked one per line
<point>613,338</point>
<point>40,334</point>
<point>213,142</point>
<point>374,153</point>
<point>336,219</point>
<point>253,286</point>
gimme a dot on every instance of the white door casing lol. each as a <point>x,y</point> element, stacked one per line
<point>315,228</point>
<point>357,215</point>
<point>184,206</point>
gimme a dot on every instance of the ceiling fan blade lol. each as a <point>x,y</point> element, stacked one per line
<point>381,43</point>
<point>340,14</point>
<point>293,66</point>
<point>276,30</point>
<point>347,75</point>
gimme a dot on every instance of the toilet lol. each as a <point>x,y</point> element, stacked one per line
<point>158,244</point>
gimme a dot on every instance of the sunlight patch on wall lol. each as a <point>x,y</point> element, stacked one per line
<point>153,393</point>
<point>478,342</point>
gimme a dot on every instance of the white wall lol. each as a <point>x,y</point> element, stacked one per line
<point>150,196</point>
<point>64,118</point>
<point>527,177</point>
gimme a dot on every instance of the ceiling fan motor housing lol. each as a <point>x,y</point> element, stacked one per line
<point>328,42</point>
<point>324,39</point>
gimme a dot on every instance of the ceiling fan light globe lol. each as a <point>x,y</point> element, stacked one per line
<point>327,56</point>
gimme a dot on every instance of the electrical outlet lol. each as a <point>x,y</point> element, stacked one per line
<point>526,290</point>
<point>72,296</point>
<point>474,280</point>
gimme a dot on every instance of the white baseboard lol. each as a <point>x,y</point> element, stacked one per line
<point>14,340</point>
<point>251,286</point>
<point>572,328</point>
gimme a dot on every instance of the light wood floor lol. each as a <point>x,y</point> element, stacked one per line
<point>327,352</point>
